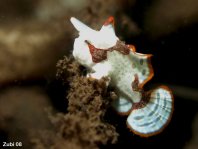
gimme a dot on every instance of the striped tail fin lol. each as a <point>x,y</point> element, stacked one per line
<point>152,118</point>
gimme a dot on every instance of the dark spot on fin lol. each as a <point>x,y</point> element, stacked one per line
<point>143,72</point>
<point>141,61</point>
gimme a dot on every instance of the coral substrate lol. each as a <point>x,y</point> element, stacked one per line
<point>83,126</point>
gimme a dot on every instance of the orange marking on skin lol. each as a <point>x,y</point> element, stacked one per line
<point>131,47</point>
<point>97,54</point>
<point>91,47</point>
<point>135,83</point>
<point>110,20</point>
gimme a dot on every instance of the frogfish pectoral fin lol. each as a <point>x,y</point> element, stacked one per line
<point>122,105</point>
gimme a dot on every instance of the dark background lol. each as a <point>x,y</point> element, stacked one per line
<point>166,29</point>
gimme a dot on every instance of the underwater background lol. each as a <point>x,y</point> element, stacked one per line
<point>41,90</point>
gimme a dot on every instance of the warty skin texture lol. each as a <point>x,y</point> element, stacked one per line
<point>127,73</point>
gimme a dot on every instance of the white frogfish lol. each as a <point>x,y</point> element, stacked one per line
<point>104,55</point>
